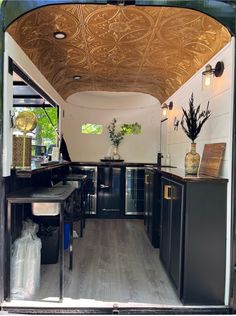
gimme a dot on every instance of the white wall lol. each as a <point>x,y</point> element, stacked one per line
<point>217,129</point>
<point>134,148</point>
<point>219,126</point>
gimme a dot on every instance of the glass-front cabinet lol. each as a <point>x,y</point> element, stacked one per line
<point>134,191</point>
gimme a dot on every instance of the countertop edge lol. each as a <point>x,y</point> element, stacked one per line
<point>179,174</point>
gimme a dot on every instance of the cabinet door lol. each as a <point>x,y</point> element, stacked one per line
<point>176,220</point>
<point>165,222</point>
<point>146,198</point>
<point>110,190</point>
<point>150,206</point>
<point>134,195</point>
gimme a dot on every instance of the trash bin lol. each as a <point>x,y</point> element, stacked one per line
<point>49,236</point>
<point>66,235</point>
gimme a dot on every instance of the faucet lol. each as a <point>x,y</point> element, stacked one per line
<point>159,156</point>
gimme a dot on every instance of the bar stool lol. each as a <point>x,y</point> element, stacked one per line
<point>79,183</point>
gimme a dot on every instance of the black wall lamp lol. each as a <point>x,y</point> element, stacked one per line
<point>165,107</point>
<point>209,73</point>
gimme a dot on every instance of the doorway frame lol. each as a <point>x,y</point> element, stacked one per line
<point>221,10</point>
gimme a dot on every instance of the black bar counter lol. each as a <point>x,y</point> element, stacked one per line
<point>37,167</point>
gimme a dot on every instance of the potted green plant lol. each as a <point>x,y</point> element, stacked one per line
<point>192,122</point>
<point>116,137</point>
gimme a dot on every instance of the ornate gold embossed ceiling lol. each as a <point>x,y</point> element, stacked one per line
<point>144,49</point>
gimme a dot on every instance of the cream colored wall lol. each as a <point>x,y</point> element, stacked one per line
<point>134,148</point>
<point>217,129</point>
<point>219,126</point>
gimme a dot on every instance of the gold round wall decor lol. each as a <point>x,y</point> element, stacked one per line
<point>26,121</point>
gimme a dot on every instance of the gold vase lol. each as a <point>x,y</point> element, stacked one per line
<point>192,160</point>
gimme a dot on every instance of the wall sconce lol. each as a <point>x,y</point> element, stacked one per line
<point>165,107</point>
<point>209,73</point>
<point>176,124</point>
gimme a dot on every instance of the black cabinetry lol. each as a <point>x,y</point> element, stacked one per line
<point>152,196</point>
<point>171,228</point>
<point>111,191</point>
<point>193,237</point>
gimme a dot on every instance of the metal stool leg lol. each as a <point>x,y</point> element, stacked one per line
<point>71,245</point>
<point>9,245</point>
<point>83,213</point>
<point>81,226</point>
<point>61,254</point>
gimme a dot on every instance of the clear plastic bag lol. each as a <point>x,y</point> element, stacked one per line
<point>25,262</point>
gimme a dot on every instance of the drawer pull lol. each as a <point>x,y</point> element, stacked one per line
<point>103,186</point>
<point>167,192</point>
<point>146,178</point>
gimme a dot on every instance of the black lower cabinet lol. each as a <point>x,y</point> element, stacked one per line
<point>111,191</point>
<point>193,239</point>
<point>171,227</point>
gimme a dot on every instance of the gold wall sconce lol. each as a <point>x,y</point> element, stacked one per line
<point>209,73</point>
<point>165,107</point>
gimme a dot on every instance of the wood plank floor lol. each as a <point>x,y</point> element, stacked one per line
<point>113,263</point>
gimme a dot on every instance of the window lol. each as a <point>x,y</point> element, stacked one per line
<point>45,132</point>
<point>131,129</point>
<point>89,128</point>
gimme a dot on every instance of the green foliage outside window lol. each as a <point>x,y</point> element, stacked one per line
<point>131,129</point>
<point>45,133</point>
<point>46,130</point>
<point>89,128</point>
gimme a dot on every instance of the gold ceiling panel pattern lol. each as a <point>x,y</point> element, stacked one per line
<point>144,49</point>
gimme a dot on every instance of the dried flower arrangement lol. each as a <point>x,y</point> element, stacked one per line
<point>193,120</point>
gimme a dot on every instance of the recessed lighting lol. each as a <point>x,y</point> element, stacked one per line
<point>76,77</point>
<point>59,35</point>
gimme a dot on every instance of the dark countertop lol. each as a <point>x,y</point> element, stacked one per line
<point>179,174</point>
<point>36,167</point>
<point>112,163</point>
<point>175,173</point>
<point>58,193</point>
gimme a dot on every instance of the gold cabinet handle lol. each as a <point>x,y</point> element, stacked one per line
<point>167,192</point>
<point>146,178</point>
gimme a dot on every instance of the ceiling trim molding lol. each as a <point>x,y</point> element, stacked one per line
<point>220,10</point>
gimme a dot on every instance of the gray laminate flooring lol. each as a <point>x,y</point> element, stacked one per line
<point>113,262</point>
